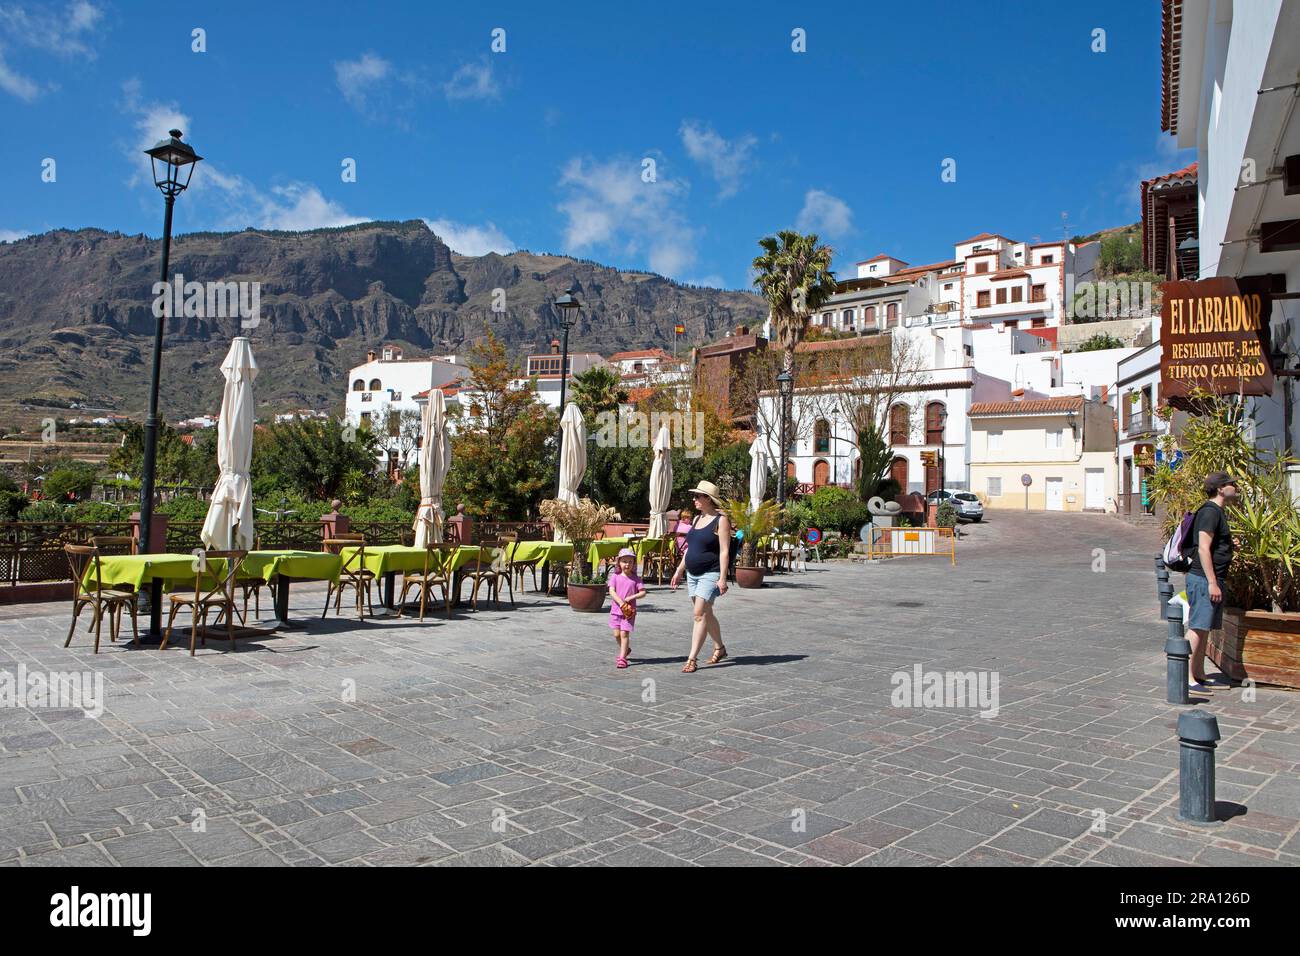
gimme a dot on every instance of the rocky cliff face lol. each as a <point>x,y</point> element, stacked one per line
<point>76,319</point>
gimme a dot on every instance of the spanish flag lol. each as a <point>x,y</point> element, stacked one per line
<point>679,329</point>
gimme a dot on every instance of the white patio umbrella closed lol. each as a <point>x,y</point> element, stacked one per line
<point>661,484</point>
<point>434,460</point>
<point>757,473</point>
<point>229,523</point>
<point>573,456</point>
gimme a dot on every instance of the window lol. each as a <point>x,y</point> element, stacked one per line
<point>847,316</point>
<point>1047,259</point>
<point>995,488</point>
<point>1038,293</point>
<point>873,268</point>
<point>871,315</point>
<point>374,385</point>
<point>1039,323</point>
<point>995,439</point>
<point>981,267</point>
<point>365,419</point>
<point>1054,436</point>
<point>982,299</point>
<point>1002,296</point>
<point>1010,324</point>
<point>947,287</point>
<point>826,320</point>
<point>935,416</point>
<point>1017,294</point>
<point>359,385</point>
<point>898,424</point>
<point>821,436</point>
<point>891,313</point>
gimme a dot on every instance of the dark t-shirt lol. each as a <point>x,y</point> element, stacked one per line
<point>703,549</point>
<point>1209,517</point>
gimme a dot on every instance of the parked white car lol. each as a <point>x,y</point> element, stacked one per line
<point>969,507</point>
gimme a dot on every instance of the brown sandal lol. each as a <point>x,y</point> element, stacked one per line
<point>690,666</point>
<point>719,655</point>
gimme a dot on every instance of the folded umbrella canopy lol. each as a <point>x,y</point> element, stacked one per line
<point>573,456</point>
<point>229,523</point>
<point>661,484</point>
<point>757,473</point>
<point>434,459</point>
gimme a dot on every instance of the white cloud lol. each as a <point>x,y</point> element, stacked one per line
<point>824,214</point>
<point>15,84</point>
<point>9,235</point>
<point>229,200</point>
<point>356,79</point>
<point>610,205</point>
<point>726,160</point>
<point>470,240</point>
<point>65,32</point>
<point>473,81</point>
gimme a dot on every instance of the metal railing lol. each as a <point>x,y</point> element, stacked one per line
<point>912,542</point>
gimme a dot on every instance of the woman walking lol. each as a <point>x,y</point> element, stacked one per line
<point>708,543</point>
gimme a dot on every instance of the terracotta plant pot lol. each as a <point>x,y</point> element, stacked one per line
<point>588,597</point>
<point>1259,645</point>
<point>749,577</point>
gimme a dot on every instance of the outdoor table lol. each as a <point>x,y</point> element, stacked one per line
<point>559,552</point>
<point>384,561</point>
<point>606,549</point>
<point>136,570</point>
<point>281,567</point>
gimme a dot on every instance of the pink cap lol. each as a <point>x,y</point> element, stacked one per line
<point>627,553</point>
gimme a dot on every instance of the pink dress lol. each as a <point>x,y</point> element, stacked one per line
<point>624,586</point>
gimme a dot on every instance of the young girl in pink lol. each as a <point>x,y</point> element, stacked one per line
<point>625,589</point>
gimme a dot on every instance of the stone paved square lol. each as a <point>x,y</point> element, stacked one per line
<point>506,737</point>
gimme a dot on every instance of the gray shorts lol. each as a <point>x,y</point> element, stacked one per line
<point>1203,614</point>
<point>703,585</point>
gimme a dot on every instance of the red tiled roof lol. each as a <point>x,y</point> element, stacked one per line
<point>1041,406</point>
<point>983,235</point>
<point>1049,334</point>
<point>1171,50</point>
<point>877,259</point>
<point>639,353</point>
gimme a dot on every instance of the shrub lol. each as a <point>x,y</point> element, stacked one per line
<point>838,509</point>
<point>184,508</point>
<point>47,511</point>
<point>796,518</point>
<point>946,515</point>
<point>11,503</point>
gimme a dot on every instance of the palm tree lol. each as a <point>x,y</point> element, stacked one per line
<point>794,275</point>
<point>598,389</point>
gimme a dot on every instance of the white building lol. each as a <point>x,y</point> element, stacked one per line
<point>1229,92</point>
<point>542,373</point>
<point>384,387</point>
<point>1140,429</point>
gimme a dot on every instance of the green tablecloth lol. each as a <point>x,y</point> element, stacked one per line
<point>606,549</point>
<point>548,551</point>
<point>389,558</point>
<point>138,569</point>
<point>315,565</point>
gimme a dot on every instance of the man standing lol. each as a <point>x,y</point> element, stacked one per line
<point>1210,541</point>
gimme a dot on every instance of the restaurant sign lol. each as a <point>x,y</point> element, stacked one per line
<point>1214,336</point>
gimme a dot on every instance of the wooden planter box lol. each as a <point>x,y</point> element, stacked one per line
<point>1259,645</point>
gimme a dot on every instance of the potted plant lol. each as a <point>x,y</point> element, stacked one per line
<point>581,523</point>
<point>753,524</point>
<point>1260,638</point>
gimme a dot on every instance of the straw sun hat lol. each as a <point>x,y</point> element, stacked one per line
<point>707,488</point>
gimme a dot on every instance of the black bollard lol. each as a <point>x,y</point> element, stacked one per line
<point>1178,655</point>
<point>1198,735</point>
<point>1166,592</point>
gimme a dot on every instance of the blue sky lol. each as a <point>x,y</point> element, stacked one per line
<point>545,145</point>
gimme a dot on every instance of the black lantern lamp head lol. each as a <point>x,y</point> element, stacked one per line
<point>569,305</point>
<point>173,164</point>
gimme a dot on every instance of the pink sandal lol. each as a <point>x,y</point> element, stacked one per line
<point>620,662</point>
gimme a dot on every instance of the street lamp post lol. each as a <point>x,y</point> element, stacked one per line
<point>569,308</point>
<point>173,165</point>
<point>784,380</point>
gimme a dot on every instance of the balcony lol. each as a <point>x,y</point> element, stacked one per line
<point>1140,423</point>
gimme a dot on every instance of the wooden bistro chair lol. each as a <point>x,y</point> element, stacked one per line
<point>517,568</point>
<point>437,558</point>
<point>252,587</point>
<point>662,559</point>
<point>83,562</point>
<point>488,572</point>
<point>208,595</point>
<point>352,574</point>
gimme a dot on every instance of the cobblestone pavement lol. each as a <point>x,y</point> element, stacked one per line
<point>508,738</point>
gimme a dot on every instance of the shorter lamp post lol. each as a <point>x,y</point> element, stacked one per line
<point>569,307</point>
<point>785,380</point>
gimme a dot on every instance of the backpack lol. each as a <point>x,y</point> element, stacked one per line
<point>1175,554</point>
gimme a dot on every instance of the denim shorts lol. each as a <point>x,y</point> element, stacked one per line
<point>702,585</point>
<point>1203,614</point>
